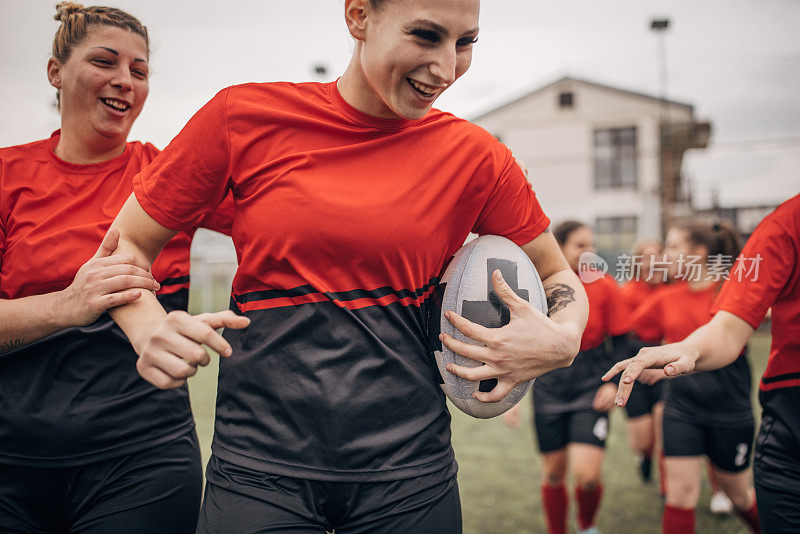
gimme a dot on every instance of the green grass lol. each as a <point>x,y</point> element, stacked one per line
<point>500,469</point>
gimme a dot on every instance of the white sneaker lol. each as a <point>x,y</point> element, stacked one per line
<point>720,503</point>
<point>590,530</point>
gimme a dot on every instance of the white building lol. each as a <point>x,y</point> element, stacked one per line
<point>595,153</point>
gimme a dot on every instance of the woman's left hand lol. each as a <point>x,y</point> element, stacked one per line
<point>530,345</point>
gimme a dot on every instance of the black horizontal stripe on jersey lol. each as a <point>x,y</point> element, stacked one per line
<point>174,281</point>
<point>780,378</point>
<point>343,296</point>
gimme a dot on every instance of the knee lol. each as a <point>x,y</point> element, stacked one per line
<point>682,494</point>
<point>590,485</point>
<point>587,480</point>
<point>742,498</point>
<point>553,478</point>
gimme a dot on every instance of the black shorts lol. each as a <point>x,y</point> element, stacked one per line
<point>152,491</point>
<point>556,431</point>
<point>776,470</point>
<point>728,448</point>
<point>239,500</point>
<point>643,398</point>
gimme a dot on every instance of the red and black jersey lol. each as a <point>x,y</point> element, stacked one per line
<point>573,388</point>
<point>713,397</point>
<point>75,396</point>
<point>343,224</point>
<point>767,274</point>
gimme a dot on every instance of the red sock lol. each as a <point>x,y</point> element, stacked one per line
<point>662,482</point>
<point>588,503</point>
<point>677,520</point>
<point>750,517</point>
<point>554,499</point>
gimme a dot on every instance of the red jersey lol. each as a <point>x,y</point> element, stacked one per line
<point>674,312</point>
<point>766,274</point>
<point>635,292</point>
<point>714,397</point>
<point>573,388</point>
<point>608,313</point>
<point>342,226</point>
<point>75,396</point>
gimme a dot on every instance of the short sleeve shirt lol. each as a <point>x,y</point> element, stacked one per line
<point>713,397</point>
<point>767,274</point>
<point>343,224</point>
<point>75,396</point>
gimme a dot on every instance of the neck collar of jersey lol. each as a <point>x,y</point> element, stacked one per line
<point>84,168</point>
<point>362,118</point>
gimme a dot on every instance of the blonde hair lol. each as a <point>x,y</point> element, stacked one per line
<point>75,22</point>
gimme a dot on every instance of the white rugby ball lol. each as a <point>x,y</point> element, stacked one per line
<point>466,288</point>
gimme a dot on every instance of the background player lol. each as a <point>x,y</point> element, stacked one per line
<point>708,413</point>
<point>86,445</point>
<point>350,198</point>
<point>766,274</point>
<point>571,405</point>
<point>645,407</point>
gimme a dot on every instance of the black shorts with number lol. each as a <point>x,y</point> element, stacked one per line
<point>153,491</point>
<point>643,398</point>
<point>728,447</point>
<point>239,500</point>
<point>556,431</point>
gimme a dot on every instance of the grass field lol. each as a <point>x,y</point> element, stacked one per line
<point>500,470</point>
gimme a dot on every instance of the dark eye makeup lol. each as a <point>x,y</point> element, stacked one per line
<point>433,37</point>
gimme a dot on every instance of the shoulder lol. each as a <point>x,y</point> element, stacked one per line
<point>273,94</point>
<point>785,218</point>
<point>461,128</point>
<point>146,149</point>
<point>27,151</point>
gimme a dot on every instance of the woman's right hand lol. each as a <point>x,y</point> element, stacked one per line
<point>174,349</point>
<point>103,282</point>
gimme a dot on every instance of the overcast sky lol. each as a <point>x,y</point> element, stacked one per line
<point>737,61</point>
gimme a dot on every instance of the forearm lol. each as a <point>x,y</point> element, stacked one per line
<point>142,237</point>
<point>567,305</point>
<point>717,343</point>
<point>29,319</point>
<point>137,319</point>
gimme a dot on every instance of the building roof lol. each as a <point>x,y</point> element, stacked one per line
<point>595,85</point>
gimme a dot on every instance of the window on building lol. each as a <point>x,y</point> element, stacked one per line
<point>565,100</point>
<point>615,158</point>
<point>614,236</point>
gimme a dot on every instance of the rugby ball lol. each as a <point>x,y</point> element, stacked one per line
<point>466,288</point>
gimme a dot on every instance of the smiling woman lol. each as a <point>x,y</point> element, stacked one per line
<point>351,197</point>
<point>114,453</point>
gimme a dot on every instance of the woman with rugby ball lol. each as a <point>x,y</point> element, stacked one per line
<point>707,414</point>
<point>351,197</point>
<point>87,445</point>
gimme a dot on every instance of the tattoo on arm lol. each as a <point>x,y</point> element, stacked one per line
<point>10,345</point>
<point>558,296</point>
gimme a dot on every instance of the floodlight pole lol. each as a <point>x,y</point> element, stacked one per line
<point>667,174</point>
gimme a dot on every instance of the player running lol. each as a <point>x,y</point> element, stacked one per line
<point>571,405</point>
<point>350,197</point>
<point>766,275</point>
<point>710,413</point>
<point>87,445</point>
<point>645,407</point>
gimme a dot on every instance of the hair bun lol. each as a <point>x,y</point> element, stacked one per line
<point>65,9</point>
